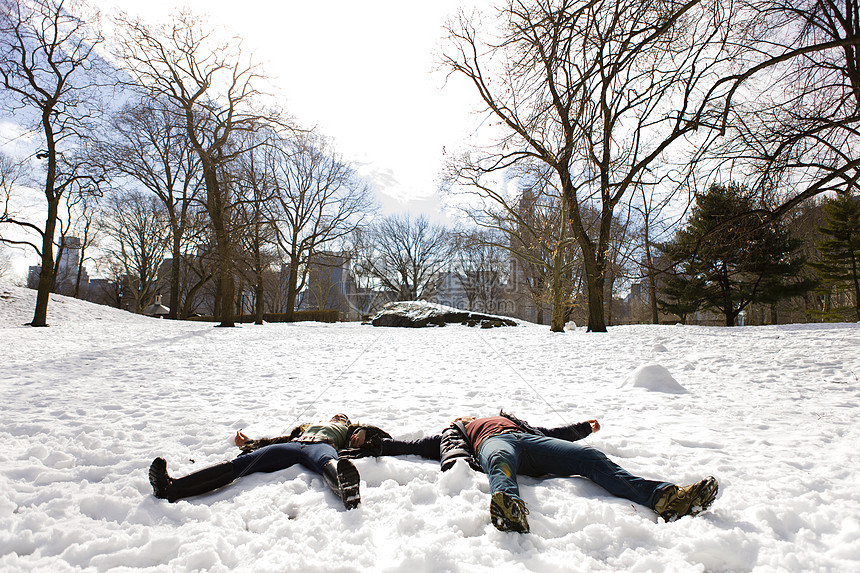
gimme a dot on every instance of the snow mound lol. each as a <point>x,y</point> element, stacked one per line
<point>17,305</point>
<point>655,378</point>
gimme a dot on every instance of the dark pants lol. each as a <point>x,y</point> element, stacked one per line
<point>282,456</point>
<point>505,455</point>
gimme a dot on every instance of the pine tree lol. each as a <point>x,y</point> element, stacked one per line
<point>840,253</point>
<point>728,257</point>
<point>680,296</point>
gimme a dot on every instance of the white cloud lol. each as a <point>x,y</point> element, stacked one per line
<point>361,72</point>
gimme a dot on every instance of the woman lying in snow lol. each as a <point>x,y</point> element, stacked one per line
<point>503,446</point>
<point>322,447</point>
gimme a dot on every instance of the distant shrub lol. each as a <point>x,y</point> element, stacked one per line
<point>201,318</point>
<point>298,316</point>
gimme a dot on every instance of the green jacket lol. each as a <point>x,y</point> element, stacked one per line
<point>372,445</point>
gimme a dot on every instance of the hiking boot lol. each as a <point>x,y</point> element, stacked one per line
<point>508,513</point>
<point>342,477</point>
<point>201,481</point>
<point>158,478</point>
<point>693,499</point>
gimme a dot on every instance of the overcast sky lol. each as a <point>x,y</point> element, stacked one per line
<point>362,72</point>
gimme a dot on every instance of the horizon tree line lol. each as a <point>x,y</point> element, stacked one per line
<point>614,109</point>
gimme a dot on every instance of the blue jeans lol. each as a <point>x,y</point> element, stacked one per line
<point>281,456</point>
<point>503,456</point>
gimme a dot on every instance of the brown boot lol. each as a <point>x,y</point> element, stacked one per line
<point>508,513</point>
<point>693,499</point>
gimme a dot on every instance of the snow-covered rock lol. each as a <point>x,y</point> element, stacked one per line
<point>419,313</point>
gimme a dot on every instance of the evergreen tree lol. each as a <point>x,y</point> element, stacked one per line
<point>680,296</point>
<point>728,257</point>
<point>840,253</point>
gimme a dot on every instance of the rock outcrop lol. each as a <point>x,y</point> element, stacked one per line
<point>417,314</point>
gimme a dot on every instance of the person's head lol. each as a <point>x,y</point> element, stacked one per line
<point>341,418</point>
<point>358,437</point>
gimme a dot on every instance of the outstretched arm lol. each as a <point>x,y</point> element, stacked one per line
<point>249,445</point>
<point>425,447</point>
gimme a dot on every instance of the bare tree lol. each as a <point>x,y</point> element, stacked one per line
<point>255,182</point>
<point>329,283</point>
<point>409,254</point>
<point>10,173</point>
<point>805,223</point>
<point>150,148</point>
<point>367,295</point>
<point>650,210</point>
<point>5,263</point>
<point>88,230</point>
<point>111,290</point>
<point>210,86</point>
<point>138,226</point>
<point>318,201</point>
<point>78,230</point>
<point>482,264</point>
<point>47,57</point>
<point>621,265</point>
<point>199,266</point>
<point>797,134</point>
<point>599,92</point>
<point>531,223</point>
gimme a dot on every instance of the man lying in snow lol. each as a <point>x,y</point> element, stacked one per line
<point>503,446</point>
<point>321,447</point>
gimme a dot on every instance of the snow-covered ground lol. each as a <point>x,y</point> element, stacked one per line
<point>87,404</point>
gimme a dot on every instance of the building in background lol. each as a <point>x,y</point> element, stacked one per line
<point>328,285</point>
<point>66,282</point>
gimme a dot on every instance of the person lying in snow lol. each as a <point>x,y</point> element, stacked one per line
<point>322,447</point>
<point>503,446</point>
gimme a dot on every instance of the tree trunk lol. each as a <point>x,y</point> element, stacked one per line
<point>239,309</point>
<point>652,279</point>
<point>47,276</point>
<point>608,303</point>
<point>557,321</point>
<point>228,293</point>
<point>175,269</point>
<point>596,321</point>
<point>79,275</point>
<point>727,297</point>
<point>46,282</point>
<point>216,307</point>
<point>594,284</point>
<point>219,217</point>
<point>259,293</point>
<point>292,289</point>
<point>593,263</point>
<point>188,302</point>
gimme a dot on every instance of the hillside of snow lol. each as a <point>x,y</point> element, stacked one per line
<point>88,402</point>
